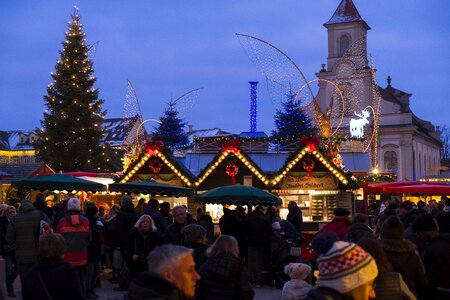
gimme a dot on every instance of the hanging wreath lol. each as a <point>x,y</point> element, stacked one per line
<point>308,165</point>
<point>232,170</point>
<point>155,167</point>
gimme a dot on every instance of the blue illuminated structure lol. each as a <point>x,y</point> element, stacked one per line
<point>253,99</point>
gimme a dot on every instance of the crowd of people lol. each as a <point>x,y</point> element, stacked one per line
<point>160,253</point>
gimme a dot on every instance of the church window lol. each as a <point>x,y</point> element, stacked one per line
<point>343,44</point>
<point>390,162</point>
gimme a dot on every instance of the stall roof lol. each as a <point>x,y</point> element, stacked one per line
<point>272,162</point>
<point>268,162</point>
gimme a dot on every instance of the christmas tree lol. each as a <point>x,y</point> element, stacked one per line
<point>72,126</point>
<point>291,121</point>
<point>171,129</point>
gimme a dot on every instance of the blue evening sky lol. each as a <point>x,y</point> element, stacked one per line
<point>166,48</point>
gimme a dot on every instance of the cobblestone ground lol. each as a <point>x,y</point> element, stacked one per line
<point>106,291</point>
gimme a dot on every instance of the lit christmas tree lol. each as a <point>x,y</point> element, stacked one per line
<point>171,130</point>
<point>291,121</point>
<point>72,126</point>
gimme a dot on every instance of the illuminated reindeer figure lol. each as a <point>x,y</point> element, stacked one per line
<point>357,126</point>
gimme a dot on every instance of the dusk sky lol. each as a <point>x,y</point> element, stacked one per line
<point>166,48</point>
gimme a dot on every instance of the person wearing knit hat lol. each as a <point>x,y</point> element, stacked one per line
<point>299,285</point>
<point>346,271</point>
<point>422,230</point>
<point>403,256</point>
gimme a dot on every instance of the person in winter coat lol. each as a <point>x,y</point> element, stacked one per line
<point>346,271</point>
<point>206,221</point>
<point>340,224</point>
<point>229,222</point>
<point>403,256</point>
<point>76,230</point>
<point>258,230</point>
<point>126,219</point>
<point>443,217</point>
<point>172,234</point>
<point>295,216</point>
<point>171,275</point>
<point>94,250</point>
<point>7,251</point>
<point>300,284</point>
<point>142,239</point>
<point>194,237</point>
<point>407,213</point>
<point>223,276</point>
<point>23,234</point>
<point>112,245</point>
<point>359,229</point>
<point>435,249</point>
<point>51,277</point>
<point>388,284</point>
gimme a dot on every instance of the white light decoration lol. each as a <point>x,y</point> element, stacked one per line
<point>357,125</point>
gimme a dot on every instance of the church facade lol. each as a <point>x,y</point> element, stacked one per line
<point>402,143</point>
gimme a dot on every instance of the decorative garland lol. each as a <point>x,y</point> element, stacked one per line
<point>308,165</point>
<point>232,170</point>
<point>155,166</point>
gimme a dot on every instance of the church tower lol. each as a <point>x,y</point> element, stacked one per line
<point>344,28</point>
<point>347,66</point>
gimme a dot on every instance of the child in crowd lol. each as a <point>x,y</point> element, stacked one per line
<point>299,285</point>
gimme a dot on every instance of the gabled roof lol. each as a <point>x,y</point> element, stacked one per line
<point>171,162</point>
<point>295,159</point>
<point>18,171</point>
<point>346,12</point>
<point>241,156</point>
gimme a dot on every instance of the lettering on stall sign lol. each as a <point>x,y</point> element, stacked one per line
<point>309,183</point>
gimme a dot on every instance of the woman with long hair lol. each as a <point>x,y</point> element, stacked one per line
<point>142,239</point>
<point>223,276</point>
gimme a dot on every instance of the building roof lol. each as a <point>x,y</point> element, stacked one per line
<point>18,171</point>
<point>271,163</point>
<point>346,12</point>
<point>205,133</point>
<point>118,129</point>
<point>401,98</point>
<point>10,140</point>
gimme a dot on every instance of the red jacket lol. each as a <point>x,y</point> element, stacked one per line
<point>338,225</point>
<point>76,230</point>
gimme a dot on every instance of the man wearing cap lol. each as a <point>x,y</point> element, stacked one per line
<point>76,230</point>
<point>340,224</point>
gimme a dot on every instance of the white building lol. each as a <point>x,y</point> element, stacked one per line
<point>407,146</point>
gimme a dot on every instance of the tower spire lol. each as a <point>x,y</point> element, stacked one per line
<point>346,12</point>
